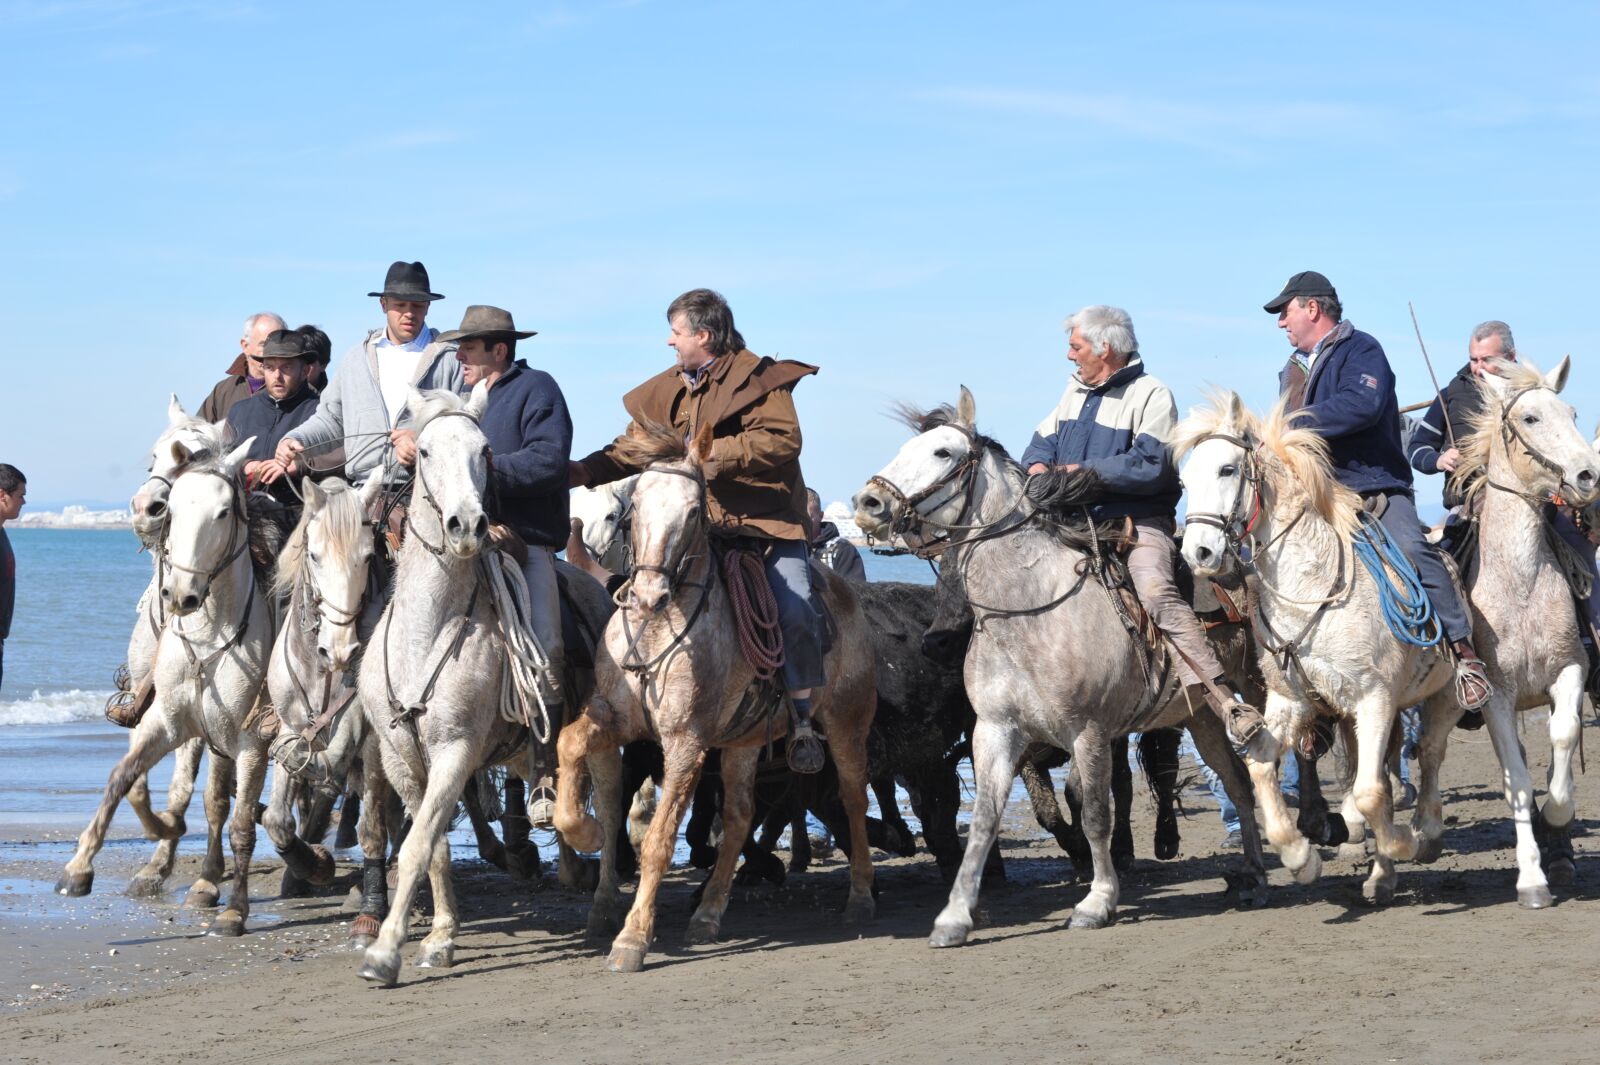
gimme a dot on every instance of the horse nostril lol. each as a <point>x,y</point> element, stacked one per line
<point>155,508</point>
<point>190,602</point>
<point>1203,553</point>
<point>166,593</point>
<point>481,527</point>
<point>454,525</point>
<point>871,503</point>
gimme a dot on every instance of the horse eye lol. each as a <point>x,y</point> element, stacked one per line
<point>942,453</point>
<point>422,451</point>
<point>1227,471</point>
<point>1530,419</point>
<point>312,555</point>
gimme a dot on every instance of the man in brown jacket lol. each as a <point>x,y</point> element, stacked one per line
<point>244,378</point>
<point>754,487</point>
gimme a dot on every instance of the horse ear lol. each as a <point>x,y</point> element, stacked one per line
<point>314,495</point>
<point>700,446</point>
<point>176,415</point>
<point>1235,409</point>
<point>478,401</point>
<point>967,409</point>
<point>1557,378</point>
<point>181,453</point>
<point>370,488</point>
<point>237,456</point>
<point>1495,383</point>
<point>414,403</point>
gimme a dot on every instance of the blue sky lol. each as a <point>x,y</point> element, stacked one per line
<point>911,196</point>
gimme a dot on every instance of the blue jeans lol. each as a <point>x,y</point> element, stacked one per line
<point>1574,538</point>
<point>1288,783</point>
<point>1400,521</point>
<point>788,566</point>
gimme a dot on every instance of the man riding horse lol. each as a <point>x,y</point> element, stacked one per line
<point>1107,437</point>
<point>754,488</point>
<point>1339,382</point>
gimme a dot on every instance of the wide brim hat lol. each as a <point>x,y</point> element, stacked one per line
<point>407,281</point>
<point>1306,283</point>
<point>485,322</point>
<point>287,344</point>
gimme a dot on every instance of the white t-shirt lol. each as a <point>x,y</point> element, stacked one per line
<point>396,366</point>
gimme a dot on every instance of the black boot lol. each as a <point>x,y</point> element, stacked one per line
<point>805,750</point>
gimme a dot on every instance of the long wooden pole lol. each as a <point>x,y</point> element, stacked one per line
<point>1443,411</point>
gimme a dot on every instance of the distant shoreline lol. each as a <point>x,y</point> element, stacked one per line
<point>67,526</point>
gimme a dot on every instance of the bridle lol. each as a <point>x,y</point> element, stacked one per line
<point>238,535</point>
<point>1509,434</point>
<point>1236,530</point>
<point>436,550</point>
<point>676,573</point>
<point>961,478</point>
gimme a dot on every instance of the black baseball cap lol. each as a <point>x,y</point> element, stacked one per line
<point>1305,283</point>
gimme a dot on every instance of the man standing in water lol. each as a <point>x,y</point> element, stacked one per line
<point>753,484</point>
<point>13,493</point>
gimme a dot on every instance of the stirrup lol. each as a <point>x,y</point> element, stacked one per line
<point>805,751</point>
<point>1472,684</point>
<point>1244,723</point>
<point>542,805</point>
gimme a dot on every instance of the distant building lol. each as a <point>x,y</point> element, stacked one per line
<point>842,517</point>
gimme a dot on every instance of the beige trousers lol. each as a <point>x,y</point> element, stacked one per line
<point>1150,567</point>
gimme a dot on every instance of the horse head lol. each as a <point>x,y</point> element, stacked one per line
<point>605,512</point>
<point>1525,415</point>
<point>452,470</point>
<point>928,483</point>
<point>201,440</point>
<point>207,527</point>
<point>330,554</point>
<point>1220,480</point>
<point>669,531</point>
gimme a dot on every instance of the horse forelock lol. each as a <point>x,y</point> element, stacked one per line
<point>1298,466</point>
<point>1484,424</point>
<point>647,443</point>
<point>342,523</point>
<point>1217,418</point>
<point>434,403</point>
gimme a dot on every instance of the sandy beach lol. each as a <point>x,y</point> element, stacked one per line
<point>1452,972</point>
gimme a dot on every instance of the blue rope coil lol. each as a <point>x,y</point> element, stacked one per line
<point>1406,607</point>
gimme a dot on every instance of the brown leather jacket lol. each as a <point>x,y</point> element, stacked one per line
<point>757,489</point>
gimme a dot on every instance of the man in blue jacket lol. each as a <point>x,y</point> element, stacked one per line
<point>1108,437</point>
<point>1339,381</point>
<point>530,444</point>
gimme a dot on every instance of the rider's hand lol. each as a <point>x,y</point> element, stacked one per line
<point>1450,460</point>
<point>270,471</point>
<point>405,446</point>
<point>577,475</point>
<point>1037,467</point>
<point>287,450</point>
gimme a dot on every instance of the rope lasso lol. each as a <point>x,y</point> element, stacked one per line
<point>1406,607</point>
<point>526,660</point>
<point>756,610</point>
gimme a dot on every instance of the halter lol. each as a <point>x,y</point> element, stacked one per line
<point>427,493</point>
<point>675,574</point>
<point>1509,433</point>
<point>1235,530</point>
<point>963,474</point>
<point>236,542</point>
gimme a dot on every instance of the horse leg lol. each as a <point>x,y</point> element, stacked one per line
<point>1566,700</point>
<point>606,911</point>
<point>1216,750</point>
<point>1158,750</point>
<point>149,744</point>
<point>1440,712</point>
<point>204,893</point>
<point>996,748</point>
<point>1316,821</point>
<point>438,947</point>
<point>169,825</point>
<point>1121,806</point>
<point>1533,890</point>
<point>1345,764</point>
<point>847,733</point>
<point>490,849</point>
<point>431,802</point>
<point>703,811</point>
<point>683,762</point>
<point>1090,752</point>
<point>1297,854</point>
<point>522,857</point>
<point>573,749</point>
<point>738,801</point>
<point>1375,715</point>
<point>349,815</point>
<point>373,831</point>
<point>1047,811</point>
<point>250,770</point>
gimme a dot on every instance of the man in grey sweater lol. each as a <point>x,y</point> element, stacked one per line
<point>364,407</point>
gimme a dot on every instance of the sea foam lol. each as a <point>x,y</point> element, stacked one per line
<point>56,708</point>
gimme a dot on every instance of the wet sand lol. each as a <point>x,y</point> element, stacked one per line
<point>1452,972</point>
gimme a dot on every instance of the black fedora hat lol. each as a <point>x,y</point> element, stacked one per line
<point>287,344</point>
<point>407,281</point>
<point>1306,283</point>
<point>487,322</point>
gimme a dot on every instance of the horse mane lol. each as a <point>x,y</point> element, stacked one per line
<point>1209,420</point>
<point>342,522</point>
<point>647,443</point>
<point>1485,426</point>
<point>1302,454</point>
<point>436,401</point>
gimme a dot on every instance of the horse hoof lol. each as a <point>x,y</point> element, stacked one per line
<point>1560,872</point>
<point>1377,894</point>
<point>859,909</point>
<point>580,875</point>
<point>145,886</point>
<point>323,872</point>
<point>1167,842</point>
<point>495,855</point>
<point>1311,870</point>
<point>363,930</point>
<point>75,885</point>
<point>948,936</point>
<point>440,957</point>
<point>380,970</point>
<point>702,931</point>
<point>1089,920</point>
<point>229,923</point>
<point>523,864</point>
<point>352,900</point>
<point>1534,898</point>
<point>202,898</point>
<point>602,927</point>
<point>1429,849</point>
<point>1338,831</point>
<point>626,959</point>
<point>293,887</point>
<point>702,856</point>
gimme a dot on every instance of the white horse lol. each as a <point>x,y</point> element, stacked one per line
<point>209,669</point>
<point>605,513</point>
<point>325,575</point>
<point>149,509</point>
<point>1324,646</point>
<point>1528,445</point>
<point>431,676</point>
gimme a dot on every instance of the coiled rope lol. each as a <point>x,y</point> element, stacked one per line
<point>521,694</point>
<point>1406,607</point>
<point>756,611</point>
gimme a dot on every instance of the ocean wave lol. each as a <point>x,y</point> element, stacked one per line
<point>56,708</point>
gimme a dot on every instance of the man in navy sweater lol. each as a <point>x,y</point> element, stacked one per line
<point>1339,381</point>
<point>530,444</point>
